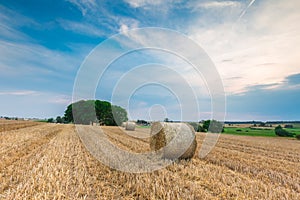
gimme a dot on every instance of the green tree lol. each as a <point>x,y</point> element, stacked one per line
<point>201,129</point>
<point>59,119</point>
<point>262,124</point>
<point>212,126</point>
<point>279,131</point>
<point>84,112</point>
<point>119,114</point>
<point>104,112</point>
<point>68,116</point>
<point>205,125</point>
<point>50,120</point>
<point>195,125</point>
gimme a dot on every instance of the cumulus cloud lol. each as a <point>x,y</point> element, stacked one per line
<point>127,24</point>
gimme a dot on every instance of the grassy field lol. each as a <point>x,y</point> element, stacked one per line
<point>266,132</point>
<point>249,131</point>
<point>49,161</point>
<point>294,130</point>
<point>255,131</point>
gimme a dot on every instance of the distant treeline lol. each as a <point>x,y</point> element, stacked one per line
<point>259,122</point>
<point>283,122</point>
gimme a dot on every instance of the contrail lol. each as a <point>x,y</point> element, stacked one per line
<point>244,11</point>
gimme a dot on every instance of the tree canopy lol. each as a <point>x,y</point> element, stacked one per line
<point>212,126</point>
<point>279,131</point>
<point>86,111</point>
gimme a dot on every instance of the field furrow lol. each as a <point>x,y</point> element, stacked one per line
<point>21,161</point>
<point>17,151</point>
<point>134,144</point>
<point>270,148</point>
<point>14,138</point>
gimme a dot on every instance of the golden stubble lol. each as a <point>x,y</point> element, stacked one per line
<point>48,161</point>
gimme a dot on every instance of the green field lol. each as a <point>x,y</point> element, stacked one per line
<point>256,131</point>
<point>294,130</point>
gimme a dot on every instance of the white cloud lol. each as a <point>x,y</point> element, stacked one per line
<point>127,24</point>
<point>245,10</point>
<point>156,8</point>
<point>19,93</point>
<point>260,49</point>
<point>98,20</point>
<point>215,4</point>
<point>123,28</point>
<point>21,55</point>
<point>142,3</point>
<point>15,19</point>
<point>84,5</point>
<point>60,99</point>
<point>51,97</point>
<point>19,59</point>
<point>82,28</point>
<point>10,21</point>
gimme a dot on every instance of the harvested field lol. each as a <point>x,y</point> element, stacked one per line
<point>7,125</point>
<point>49,161</point>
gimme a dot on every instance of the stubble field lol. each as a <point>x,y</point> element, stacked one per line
<point>49,161</point>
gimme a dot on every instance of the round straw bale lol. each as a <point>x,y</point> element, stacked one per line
<point>123,124</point>
<point>173,140</point>
<point>130,126</point>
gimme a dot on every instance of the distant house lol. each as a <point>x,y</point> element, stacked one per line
<point>288,126</point>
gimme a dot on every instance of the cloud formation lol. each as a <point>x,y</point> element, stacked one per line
<point>84,5</point>
<point>145,3</point>
<point>254,44</point>
<point>216,4</point>
<point>263,36</point>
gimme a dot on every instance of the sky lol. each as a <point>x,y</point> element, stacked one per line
<point>254,46</point>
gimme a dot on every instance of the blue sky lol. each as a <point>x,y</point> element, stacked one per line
<point>254,45</point>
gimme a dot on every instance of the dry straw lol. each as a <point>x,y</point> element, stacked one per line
<point>130,126</point>
<point>173,140</point>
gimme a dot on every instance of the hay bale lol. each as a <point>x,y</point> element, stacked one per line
<point>173,140</point>
<point>130,126</point>
<point>123,124</point>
